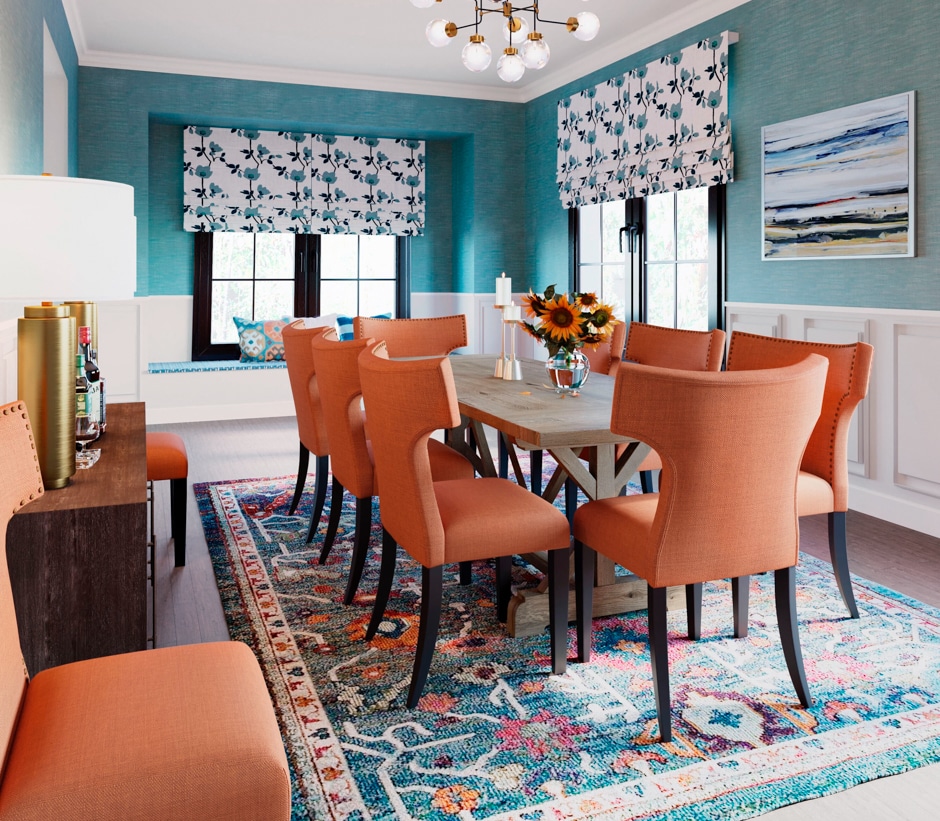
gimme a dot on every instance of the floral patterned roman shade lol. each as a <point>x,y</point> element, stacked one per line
<point>240,179</point>
<point>661,127</point>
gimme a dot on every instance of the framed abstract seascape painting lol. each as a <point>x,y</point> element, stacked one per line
<point>840,184</point>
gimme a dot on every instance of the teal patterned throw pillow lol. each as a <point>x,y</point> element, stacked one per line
<point>344,325</point>
<point>260,340</point>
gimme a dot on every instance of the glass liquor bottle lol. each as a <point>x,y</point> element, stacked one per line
<point>95,379</point>
<point>86,426</point>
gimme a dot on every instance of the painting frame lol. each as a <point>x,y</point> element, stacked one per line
<point>840,184</point>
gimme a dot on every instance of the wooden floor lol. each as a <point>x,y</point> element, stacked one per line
<point>188,609</point>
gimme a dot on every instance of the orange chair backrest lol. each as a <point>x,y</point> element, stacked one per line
<point>302,372</point>
<point>675,348</point>
<point>433,336</point>
<point>337,366</point>
<point>731,445</point>
<point>21,483</point>
<point>606,358</point>
<point>405,402</point>
<point>846,385</point>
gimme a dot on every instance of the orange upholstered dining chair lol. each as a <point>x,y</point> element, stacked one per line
<point>731,445</point>
<point>351,452</point>
<point>461,520</point>
<point>431,336</point>
<point>176,733</point>
<point>302,372</point>
<point>824,473</point>
<point>677,348</point>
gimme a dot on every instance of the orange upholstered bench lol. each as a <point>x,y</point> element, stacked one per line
<point>167,459</point>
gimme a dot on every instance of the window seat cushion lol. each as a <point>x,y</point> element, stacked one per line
<point>214,365</point>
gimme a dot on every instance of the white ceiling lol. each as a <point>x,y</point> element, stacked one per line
<point>367,44</point>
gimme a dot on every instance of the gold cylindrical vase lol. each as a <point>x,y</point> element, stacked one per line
<point>85,313</point>
<point>45,378</point>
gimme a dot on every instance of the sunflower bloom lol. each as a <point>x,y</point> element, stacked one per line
<point>561,322</point>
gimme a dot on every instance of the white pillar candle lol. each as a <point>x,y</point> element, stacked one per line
<point>503,290</point>
<point>512,312</point>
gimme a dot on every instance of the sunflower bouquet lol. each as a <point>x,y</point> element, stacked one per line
<point>566,323</point>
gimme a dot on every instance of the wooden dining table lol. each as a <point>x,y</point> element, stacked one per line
<point>535,417</point>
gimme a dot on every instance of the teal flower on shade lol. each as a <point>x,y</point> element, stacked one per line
<point>618,129</point>
<point>203,210</point>
<point>217,226</point>
<point>382,157</point>
<point>297,214</point>
<point>202,131</point>
<point>413,181</point>
<point>640,72</point>
<point>339,155</point>
<point>714,100</point>
<point>372,142</point>
<point>328,139</point>
<point>297,175</point>
<point>590,93</point>
<point>685,74</point>
<point>675,111</point>
<point>677,162</point>
<point>566,145</point>
<point>414,145</point>
<point>372,216</point>
<point>262,151</point>
<point>567,186</point>
<point>591,137</point>
<point>328,214</point>
<point>251,174</point>
<point>715,42</point>
<point>640,121</point>
<point>251,134</point>
<point>371,179</point>
<point>215,148</point>
<point>298,137</point>
<point>263,191</point>
<point>642,170</point>
<point>410,217</point>
<point>328,177</point>
<point>252,213</point>
<point>203,171</point>
<point>308,152</point>
<point>214,189</point>
<point>566,103</point>
<point>716,155</point>
<point>340,194</point>
<point>618,82</point>
<point>675,59</point>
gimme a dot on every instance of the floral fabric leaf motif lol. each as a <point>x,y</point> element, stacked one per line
<point>660,127</point>
<point>286,181</point>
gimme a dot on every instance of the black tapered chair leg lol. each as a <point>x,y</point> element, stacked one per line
<point>571,499</point>
<point>535,472</point>
<point>302,468</point>
<point>336,510</point>
<point>386,577</point>
<point>466,573</point>
<point>584,560</point>
<point>659,659</point>
<point>558,608</point>
<point>432,583</point>
<point>838,552</point>
<point>503,586</point>
<point>360,546</point>
<point>740,595</point>
<point>179,494</point>
<point>693,610</point>
<point>321,476</point>
<point>502,456</point>
<point>785,599</point>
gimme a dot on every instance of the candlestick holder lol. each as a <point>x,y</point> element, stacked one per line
<point>512,367</point>
<point>502,361</point>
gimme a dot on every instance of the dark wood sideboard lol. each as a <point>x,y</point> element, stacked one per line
<point>78,556</point>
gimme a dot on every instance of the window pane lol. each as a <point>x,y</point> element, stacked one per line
<point>615,291</point>
<point>615,215</point>
<point>692,223</point>
<point>232,255</point>
<point>693,296</point>
<point>274,299</point>
<point>377,257</point>
<point>274,256</point>
<point>661,295</point>
<point>228,299</point>
<point>339,256</point>
<point>660,227</point>
<point>339,296</point>
<point>376,298</point>
<point>589,279</point>
<point>589,233</point>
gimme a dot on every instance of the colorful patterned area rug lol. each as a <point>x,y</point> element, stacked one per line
<point>496,737</point>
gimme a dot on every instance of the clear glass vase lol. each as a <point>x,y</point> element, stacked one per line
<point>568,371</point>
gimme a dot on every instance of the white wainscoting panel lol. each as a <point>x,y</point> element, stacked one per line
<point>894,447</point>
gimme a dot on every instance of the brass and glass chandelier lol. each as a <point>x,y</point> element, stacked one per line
<point>526,47</point>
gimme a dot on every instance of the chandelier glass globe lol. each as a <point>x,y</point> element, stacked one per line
<point>588,26</point>
<point>423,4</point>
<point>535,52</point>
<point>510,67</point>
<point>515,35</point>
<point>436,33</point>
<point>476,55</point>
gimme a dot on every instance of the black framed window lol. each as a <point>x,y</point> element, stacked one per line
<point>268,275</point>
<point>657,259</point>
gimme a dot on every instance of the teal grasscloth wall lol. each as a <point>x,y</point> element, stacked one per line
<point>130,130</point>
<point>21,82</point>
<point>793,59</point>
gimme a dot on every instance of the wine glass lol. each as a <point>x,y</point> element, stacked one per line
<point>86,430</point>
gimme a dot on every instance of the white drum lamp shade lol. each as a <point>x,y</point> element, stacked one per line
<point>67,238</point>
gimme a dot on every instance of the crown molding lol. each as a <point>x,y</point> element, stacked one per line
<point>570,72</point>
